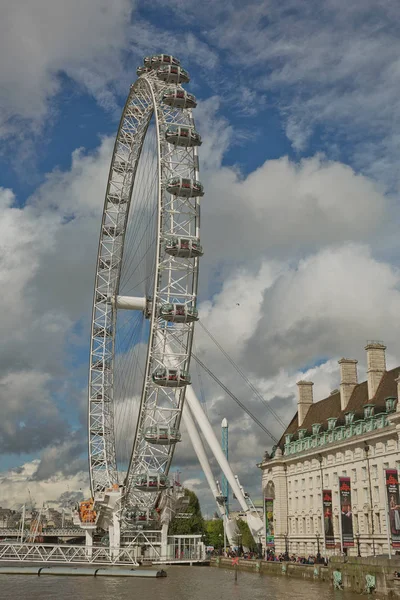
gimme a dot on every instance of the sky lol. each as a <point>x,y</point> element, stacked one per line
<point>299,114</point>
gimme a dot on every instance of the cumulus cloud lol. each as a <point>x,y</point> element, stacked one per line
<point>82,39</point>
<point>18,487</point>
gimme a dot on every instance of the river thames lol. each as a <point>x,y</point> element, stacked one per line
<point>191,583</point>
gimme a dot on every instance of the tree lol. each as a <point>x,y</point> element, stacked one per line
<point>244,536</point>
<point>214,533</point>
<point>193,523</point>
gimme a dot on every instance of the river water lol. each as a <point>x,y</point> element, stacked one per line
<point>182,583</point>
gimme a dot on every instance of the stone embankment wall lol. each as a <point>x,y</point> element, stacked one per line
<point>353,572</point>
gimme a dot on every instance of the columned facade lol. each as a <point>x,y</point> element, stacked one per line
<point>352,433</point>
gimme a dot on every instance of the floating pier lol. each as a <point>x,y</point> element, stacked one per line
<point>81,571</point>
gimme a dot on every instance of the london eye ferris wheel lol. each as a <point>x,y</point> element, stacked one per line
<point>144,306</point>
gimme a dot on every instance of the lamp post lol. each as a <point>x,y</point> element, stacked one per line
<point>318,535</point>
<point>286,547</point>
<point>358,544</point>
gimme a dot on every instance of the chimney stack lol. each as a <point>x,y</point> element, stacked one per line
<point>348,380</point>
<point>376,366</point>
<point>305,400</point>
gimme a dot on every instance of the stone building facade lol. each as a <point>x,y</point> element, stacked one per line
<point>355,433</point>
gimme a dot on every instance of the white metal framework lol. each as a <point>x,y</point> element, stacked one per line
<point>147,264</point>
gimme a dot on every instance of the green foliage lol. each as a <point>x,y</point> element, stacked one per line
<point>214,533</point>
<point>194,523</point>
<point>244,537</point>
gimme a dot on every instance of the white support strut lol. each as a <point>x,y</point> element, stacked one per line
<point>207,430</point>
<point>130,303</point>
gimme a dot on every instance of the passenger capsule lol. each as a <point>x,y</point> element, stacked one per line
<point>178,313</point>
<point>181,135</point>
<point>173,74</point>
<point>153,62</point>
<point>150,483</point>
<point>185,188</point>
<point>178,98</point>
<point>171,377</point>
<point>142,70</point>
<point>183,247</point>
<point>161,435</point>
<point>112,231</point>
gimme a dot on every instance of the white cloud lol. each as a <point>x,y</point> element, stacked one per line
<point>39,42</point>
<point>17,486</point>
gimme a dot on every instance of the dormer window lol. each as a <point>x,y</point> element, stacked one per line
<point>315,428</point>
<point>302,433</point>
<point>288,438</point>
<point>349,418</point>
<point>368,411</point>
<point>331,423</point>
<point>390,404</point>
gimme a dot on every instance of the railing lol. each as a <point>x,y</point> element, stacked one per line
<point>56,532</point>
<point>54,553</point>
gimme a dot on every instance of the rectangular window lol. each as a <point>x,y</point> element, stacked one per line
<point>366,523</point>
<point>304,525</point>
<point>303,484</point>
<point>311,526</point>
<point>318,481</point>
<point>377,522</point>
<point>344,473</point>
<point>326,480</point>
<point>376,493</point>
<point>374,472</point>
<point>354,494</point>
<point>356,524</point>
<point>366,495</point>
<point>354,475</point>
<point>311,500</point>
<point>310,482</point>
<point>364,473</point>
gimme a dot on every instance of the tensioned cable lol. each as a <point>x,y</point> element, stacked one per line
<point>245,378</point>
<point>219,382</point>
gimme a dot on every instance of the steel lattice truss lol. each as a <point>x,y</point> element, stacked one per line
<point>175,281</point>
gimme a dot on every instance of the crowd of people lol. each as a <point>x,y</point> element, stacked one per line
<point>269,556</point>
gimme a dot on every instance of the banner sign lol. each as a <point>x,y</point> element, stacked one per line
<point>328,518</point>
<point>393,502</point>
<point>346,514</point>
<point>269,521</point>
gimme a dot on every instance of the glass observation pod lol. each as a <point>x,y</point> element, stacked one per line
<point>162,436</point>
<point>173,74</point>
<point>181,135</point>
<point>155,61</point>
<point>185,188</point>
<point>171,377</point>
<point>178,313</point>
<point>150,483</point>
<point>178,98</point>
<point>115,199</point>
<point>111,230</point>
<point>142,70</point>
<point>183,247</point>
<point>122,166</point>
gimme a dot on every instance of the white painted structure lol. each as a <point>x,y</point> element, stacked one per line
<point>355,433</point>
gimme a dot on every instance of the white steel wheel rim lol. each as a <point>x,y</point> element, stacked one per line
<point>175,281</point>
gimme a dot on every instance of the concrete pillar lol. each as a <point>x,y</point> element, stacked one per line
<point>164,540</point>
<point>376,366</point>
<point>348,380</point>
<point>305,400</point>
<point>89,542</point>
<point>280,503</point>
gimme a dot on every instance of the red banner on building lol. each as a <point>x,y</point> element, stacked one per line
<point>328,518</point>
<point>346,514</point>
<point>393,500</point>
